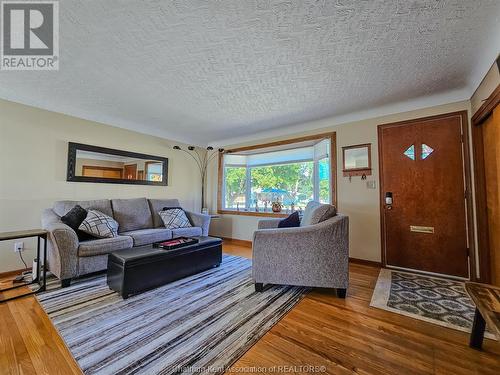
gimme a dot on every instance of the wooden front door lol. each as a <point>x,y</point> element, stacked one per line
<point>422,167</point>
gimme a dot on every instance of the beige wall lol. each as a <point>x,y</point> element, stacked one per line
<point>487,86</point>
<point>33,155</point>
<point>354,198</point>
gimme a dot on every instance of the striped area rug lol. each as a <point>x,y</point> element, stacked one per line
<point>202,323</point>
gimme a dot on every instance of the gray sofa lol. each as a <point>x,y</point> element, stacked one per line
<point>316,254</point>
<point>139,224</point>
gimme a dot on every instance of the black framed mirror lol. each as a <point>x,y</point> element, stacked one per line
<point>87,163</point>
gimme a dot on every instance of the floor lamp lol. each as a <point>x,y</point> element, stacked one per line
<point>202,159</point>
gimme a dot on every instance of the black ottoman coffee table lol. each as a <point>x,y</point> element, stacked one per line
<point>135,270</point>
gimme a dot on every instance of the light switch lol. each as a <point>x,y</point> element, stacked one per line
<point>371,185</point>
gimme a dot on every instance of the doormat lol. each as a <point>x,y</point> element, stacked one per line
<point>435,300</point>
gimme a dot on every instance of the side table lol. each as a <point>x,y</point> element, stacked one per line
<point>41,277</point>
<point>487,300</point>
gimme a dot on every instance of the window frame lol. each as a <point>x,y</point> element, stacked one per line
<point>333,171</point>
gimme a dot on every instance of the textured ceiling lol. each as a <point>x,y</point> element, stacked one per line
<point>203,71</point>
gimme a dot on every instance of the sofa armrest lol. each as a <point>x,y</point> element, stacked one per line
<point>63,246</point>
<point>199,220</point>
<point>268,223</point>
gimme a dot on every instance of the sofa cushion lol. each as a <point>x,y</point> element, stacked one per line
<point>189,232</point>
<point>148,236</point>
<point>104,246</point>
<point>104,205</point>
<point>156,205</point>
<point>316,212</point>
<point>132,214</point>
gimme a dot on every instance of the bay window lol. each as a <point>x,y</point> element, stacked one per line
<point>291,173</point>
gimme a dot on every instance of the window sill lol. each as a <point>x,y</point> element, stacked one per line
<point>252,213</point>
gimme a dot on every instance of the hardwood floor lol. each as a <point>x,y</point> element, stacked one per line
<point>345,336</point>
<point>29,344</point>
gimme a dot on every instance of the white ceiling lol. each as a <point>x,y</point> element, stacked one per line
<point>209,71</point>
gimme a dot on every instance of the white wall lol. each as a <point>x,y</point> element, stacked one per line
<point>33,157</point>
<point>354,199</point>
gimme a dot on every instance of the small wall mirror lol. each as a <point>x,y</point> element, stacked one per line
<point>357,160</point>
<point>88,163</point>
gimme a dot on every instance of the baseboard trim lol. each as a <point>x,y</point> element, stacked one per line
<point>236,241</point>
<point>14,272</point>
<point>365,262</point>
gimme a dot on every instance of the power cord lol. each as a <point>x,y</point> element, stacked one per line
<point>23,275</point>
<point>21,256</point>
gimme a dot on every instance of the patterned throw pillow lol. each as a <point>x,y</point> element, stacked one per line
<point>99,225</point>
<point>174,217</point>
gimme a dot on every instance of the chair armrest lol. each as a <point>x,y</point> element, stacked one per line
<point>199,220</point>
<point>293,234</point>
<point>63,246</point>
<point>268,223</point>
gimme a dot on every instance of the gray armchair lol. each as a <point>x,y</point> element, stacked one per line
<point>314,255</point>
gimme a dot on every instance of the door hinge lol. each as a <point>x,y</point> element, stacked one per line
<point>462,138</point>
<point>468,252</point>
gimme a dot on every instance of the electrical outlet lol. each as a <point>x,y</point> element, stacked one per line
<point>18,247</point>
<point>370,185</point>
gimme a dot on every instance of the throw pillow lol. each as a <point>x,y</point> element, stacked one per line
<point>316,212</point>
<point>291,221</point>
<point>74,219</point>
<point>174,217</point>
<point>99,225</point>
<point>322,213</point>
<point>306,217</point>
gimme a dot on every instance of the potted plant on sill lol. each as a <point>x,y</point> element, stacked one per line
<point>276,206</point>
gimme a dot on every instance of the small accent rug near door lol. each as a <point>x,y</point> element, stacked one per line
<point>440,301</point>
<point>202,322</point>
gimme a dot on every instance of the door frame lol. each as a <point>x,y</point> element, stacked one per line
<point>468,182</point>
<point>483,241</point>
